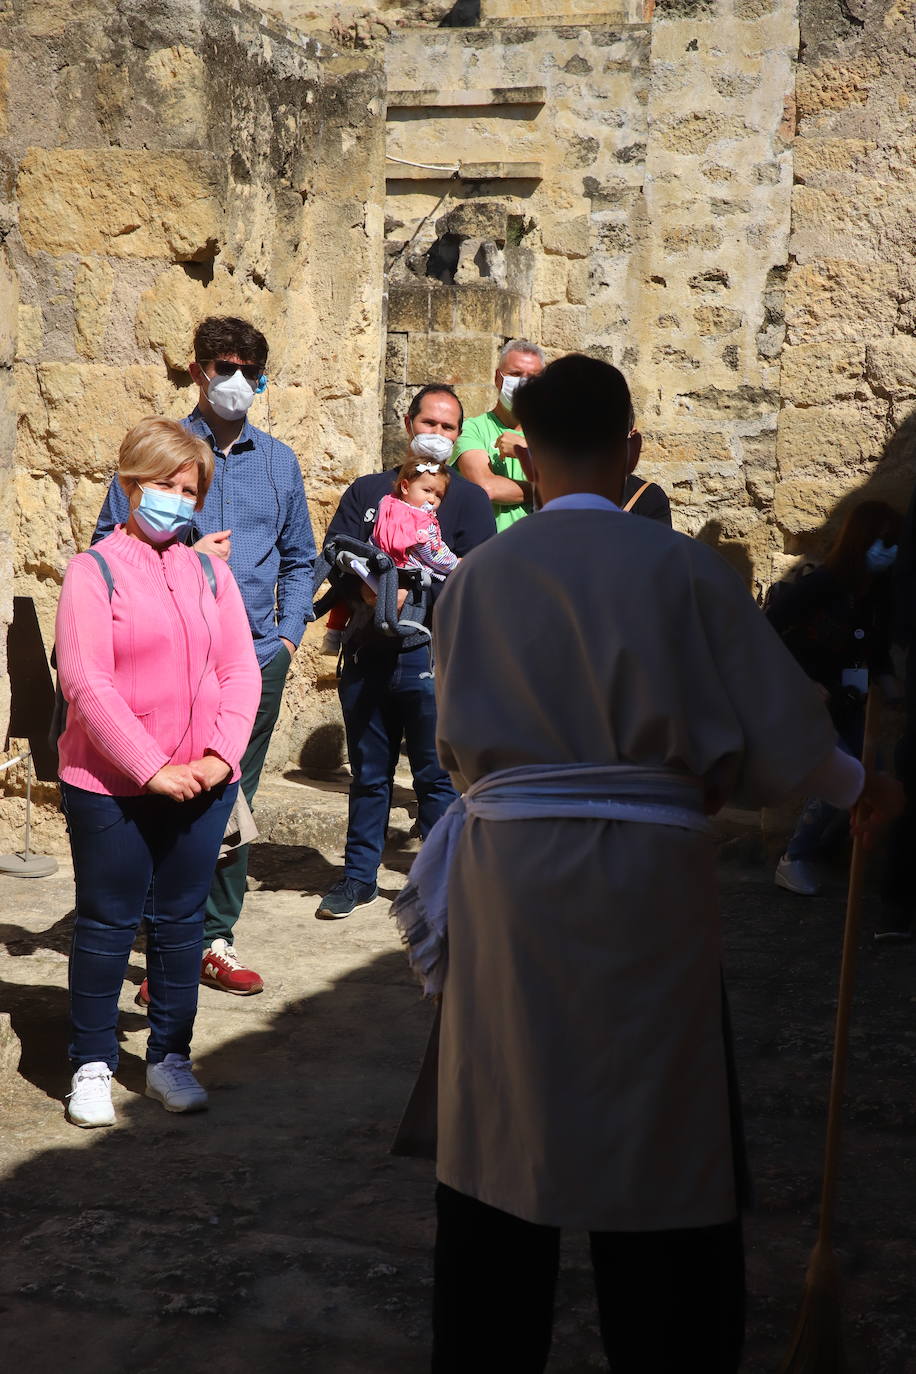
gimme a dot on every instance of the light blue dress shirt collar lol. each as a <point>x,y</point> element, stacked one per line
<point>580,500</point>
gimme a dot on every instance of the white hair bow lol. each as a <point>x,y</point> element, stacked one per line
<point>429,467</point>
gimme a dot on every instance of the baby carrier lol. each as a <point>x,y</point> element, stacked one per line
<point>343,561</point>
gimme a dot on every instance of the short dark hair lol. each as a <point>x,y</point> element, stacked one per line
<point>413,409</point>
<point>578,408</point>
<point>222,336</point>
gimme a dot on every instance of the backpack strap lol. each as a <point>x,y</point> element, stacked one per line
<point>207,565</point>
<point>636,495</point>
<point>104,569</point>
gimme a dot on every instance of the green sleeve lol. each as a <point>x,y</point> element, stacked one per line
<point>473,435</point>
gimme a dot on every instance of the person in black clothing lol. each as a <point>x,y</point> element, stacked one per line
<point>387,693</point>
<point>836,620</point>
<point>640,497</point>
<point>898,889</point>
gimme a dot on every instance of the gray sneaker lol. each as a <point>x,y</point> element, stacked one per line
<point>797,875</point>
<point>173,1084</point>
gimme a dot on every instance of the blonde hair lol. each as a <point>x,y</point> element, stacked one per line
<point>155,449</point>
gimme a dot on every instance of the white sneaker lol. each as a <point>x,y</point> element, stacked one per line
<point>797,875</point>
<point>89,1102</point>
<point>173,1084</point>
<point>331,642</point>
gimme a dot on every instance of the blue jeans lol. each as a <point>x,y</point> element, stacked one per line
<point>386,697</point>
<point>135,857</point>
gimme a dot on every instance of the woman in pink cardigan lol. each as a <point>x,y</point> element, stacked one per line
<point>156,662</point>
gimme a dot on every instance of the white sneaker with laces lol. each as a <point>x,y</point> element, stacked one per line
<point>89,1102</point>
<point>173,1084</point>
<point>797,875</point>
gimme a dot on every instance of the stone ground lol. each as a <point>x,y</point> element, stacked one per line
<point>275,1233</point>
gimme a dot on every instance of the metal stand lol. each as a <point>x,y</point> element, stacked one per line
<point>26,864</point>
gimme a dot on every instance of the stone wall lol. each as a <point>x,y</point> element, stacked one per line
<point>848,381</point>
<point>708,271</point>
<point>163,163</point>
<point>679,192</point>
<point>544,124</point>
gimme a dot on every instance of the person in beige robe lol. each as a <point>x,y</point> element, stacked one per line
<point>584,1074</point>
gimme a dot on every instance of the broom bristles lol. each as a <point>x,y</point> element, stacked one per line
<point>817,1341</point>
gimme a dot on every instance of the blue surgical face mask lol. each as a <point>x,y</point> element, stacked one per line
<point>162,515</point>
<point>880,557</point>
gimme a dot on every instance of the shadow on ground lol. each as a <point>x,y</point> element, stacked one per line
<point>275,1233</point>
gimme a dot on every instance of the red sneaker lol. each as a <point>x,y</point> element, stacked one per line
<point>221,968</point>
<point>142,997</point>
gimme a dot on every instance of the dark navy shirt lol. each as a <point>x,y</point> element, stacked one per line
<point>465,515</point>
<point>257,493</point>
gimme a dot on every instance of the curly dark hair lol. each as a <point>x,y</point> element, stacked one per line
<point>225,336</point>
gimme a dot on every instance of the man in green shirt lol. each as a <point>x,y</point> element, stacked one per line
<point>485,449</point>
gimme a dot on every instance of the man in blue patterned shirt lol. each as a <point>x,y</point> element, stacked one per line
<point>256,517</point>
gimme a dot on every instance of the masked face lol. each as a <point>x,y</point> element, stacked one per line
<point>231,397</point>
<point>508,389</point>
<point>163,515</point>
<point>435,446</point>
<point>880,557</point>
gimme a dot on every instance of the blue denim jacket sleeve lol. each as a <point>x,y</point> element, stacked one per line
<point>296,546</point>
<point>115,510</point>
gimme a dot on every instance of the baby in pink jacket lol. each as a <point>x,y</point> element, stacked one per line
<point>407,530</point>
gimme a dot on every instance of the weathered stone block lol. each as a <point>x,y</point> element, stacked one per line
<point>694,133</point>
<point>717,319</point>
<point>835,85</point>
<point>74,415</point>
<point>891,366</point>
<point>29,333</point>
<point>550,279</point>
<point>10,1053</point>
<point>475,219</point>
<point>408,308</point>
<point>478,399</point>
<point>9,313</point>
<point>479,310</point>
<point>442,307</point>
<point>397,399</point>
<point>5,56</point>
<point>686,237</point>
<point>181,78</point>
<point>567,236</point>
<point>802,505</point>
<point>564,327</point>
<point>123,203</point>
<point>830,299</point>
<point>449,358</point>
<point>396,358</point>
<point>92,305</point>
<point>577,282</point>
<point>818,373</point>
<point>836,442</point>
<point>817,158</point>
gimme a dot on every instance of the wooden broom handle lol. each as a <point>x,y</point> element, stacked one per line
<point>844,997</point>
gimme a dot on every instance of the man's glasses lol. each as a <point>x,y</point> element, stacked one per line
<point>250,371</point>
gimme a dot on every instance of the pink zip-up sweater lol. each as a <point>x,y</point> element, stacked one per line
<point>161,673</point>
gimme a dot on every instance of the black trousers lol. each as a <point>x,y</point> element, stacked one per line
<point>668,1301</point>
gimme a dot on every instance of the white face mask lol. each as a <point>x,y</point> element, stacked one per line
<point>508,389</point>
<point>436,446</point>
<point>230,397</point>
